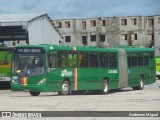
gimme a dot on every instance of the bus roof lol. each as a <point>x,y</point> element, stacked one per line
<point>71,48</point>
<point>89,48</point>
<point>135,48</point>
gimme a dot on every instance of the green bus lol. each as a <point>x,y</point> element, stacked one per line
<point>65,69</point>
<point>158,67</point>
<point>5,64</point>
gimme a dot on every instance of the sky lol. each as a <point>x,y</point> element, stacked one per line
<point>70,9</point>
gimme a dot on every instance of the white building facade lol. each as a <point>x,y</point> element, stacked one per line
<point>28,29</point>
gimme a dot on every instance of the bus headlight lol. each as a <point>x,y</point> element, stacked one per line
<point>41,82</point>
<point>14,81</point>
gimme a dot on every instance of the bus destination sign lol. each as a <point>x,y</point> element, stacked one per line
<point>29,51</point>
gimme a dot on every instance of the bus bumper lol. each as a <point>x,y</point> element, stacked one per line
<point>31,88</point>
<point>157,73</point>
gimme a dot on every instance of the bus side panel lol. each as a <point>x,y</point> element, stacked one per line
<point>134,74</point>
<point>91,78</point>
<point>81,78</point>
<point>153,70</point>
<point>54,80</point>
<point>88,79</point>
<point>5,65</point>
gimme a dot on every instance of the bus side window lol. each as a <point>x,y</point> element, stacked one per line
<point>151,55</point>
<point>52,60</point>
<point>129,61</point>
<point>72,59</point>
<point>103,59</point>
<point>83,60</point>
<point>62,59</point>
<point>80,60</point>
<point>93,60</point>
<point>112,60</point>
<point>140,59</point>
<point>134,59</point>
<point>146,58</point>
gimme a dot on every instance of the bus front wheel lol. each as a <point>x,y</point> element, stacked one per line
<point>34,93</point>
<point>105,87</point>
<point>65,88</point>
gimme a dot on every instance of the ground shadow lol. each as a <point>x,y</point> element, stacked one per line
<point>79,93</point>
<point>4,86</point>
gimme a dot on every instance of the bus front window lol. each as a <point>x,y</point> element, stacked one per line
<point>28,65</point>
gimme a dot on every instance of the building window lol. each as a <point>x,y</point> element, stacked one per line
<point>67,38</point>
<point>84,40</point>
<point>60,42</point>
<point>133,21</point>
<point>124,36</point>
<point>159,50</point>
<point>150,22</point>
<point>67,24</point>
<point>159,21</point>
<point>123,22</point>
<point>83,25</point>
<point>134,37</point>
<point>93,38</point>
<point>92,23</point>
<point>59,24</point>
<point>150,37</point>
<point>102,38</point>
<point>159,35</point>
<point>102,23</point>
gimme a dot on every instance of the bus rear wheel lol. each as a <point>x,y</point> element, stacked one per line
<point>141,84</point>
<point>34,93</point>
<point>65,88</point>
<point>105,87</point>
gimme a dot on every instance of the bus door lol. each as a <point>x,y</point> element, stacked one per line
<point>123,69</point>
<point>153,68</point>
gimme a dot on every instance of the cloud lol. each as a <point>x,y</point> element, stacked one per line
<point>92,8</point>
<point>96,8</point>
<point>1,11</point>
<point>64,9</point>
<point>60,9</point>
<point>30,4</point>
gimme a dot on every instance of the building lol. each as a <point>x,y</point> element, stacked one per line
<point>111,31</point>
<point>28,29</point>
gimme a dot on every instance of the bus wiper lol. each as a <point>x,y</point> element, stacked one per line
<point>5,60</point>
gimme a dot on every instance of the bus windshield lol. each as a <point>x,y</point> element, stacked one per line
<point>28,65</point>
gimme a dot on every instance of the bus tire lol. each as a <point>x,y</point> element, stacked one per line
<point>105,87</point>
<point>65,88</point>
<point>141,84</point>
<point>34,93</point>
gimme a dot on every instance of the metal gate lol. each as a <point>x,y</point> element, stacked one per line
<point>123,70</point>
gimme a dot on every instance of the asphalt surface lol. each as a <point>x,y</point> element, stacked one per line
<point>126,99</point>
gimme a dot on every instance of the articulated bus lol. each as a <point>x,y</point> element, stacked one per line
<point>5,64</point>
<point>66,70</point>
<point>158,67</point>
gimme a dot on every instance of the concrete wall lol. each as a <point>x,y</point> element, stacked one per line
<point>138,30</point>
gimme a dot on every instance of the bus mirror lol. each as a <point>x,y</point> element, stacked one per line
<point>6,63</point>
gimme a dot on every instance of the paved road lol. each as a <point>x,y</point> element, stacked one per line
<point>121,100</point>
